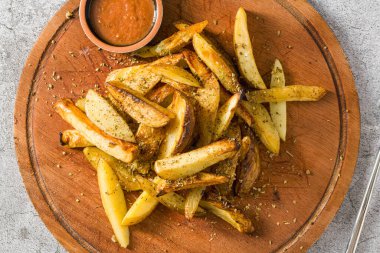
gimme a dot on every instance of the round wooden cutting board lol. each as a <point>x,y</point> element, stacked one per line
<point>298,192</point>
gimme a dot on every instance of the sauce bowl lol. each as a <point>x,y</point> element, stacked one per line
<point>84,9</point>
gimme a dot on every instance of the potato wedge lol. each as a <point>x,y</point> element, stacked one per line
<point>263,126</point>
<point>198,180</point>
<point>73,139</point>
<point>249,170</point>
<point>141,208</point>
<point>180,130</point>
<point>245,144</point>
<point>175,73</point>
<point>230,215</point>
<point>176,202</point>
<point>119,108</point>
<point>113,201</point>
<point>240,110</point>
<point>278,110</point>
<point>105,116</point>
<point>162,95</point>
<point>80,103</point>
<point>174,43</point>
<point>192,162</point>
<point>192,201</point>
<point>141,109</point>
<point>225,114</point>
<point>244,53</point>
<point>149,140</point>
<point>122,150</point>
<point>218,65</point>
<point>287,94</point>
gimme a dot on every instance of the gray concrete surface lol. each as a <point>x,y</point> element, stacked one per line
<point>357,26</point>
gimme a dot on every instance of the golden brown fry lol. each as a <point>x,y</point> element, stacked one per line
<point>192,162</point>
<point>162,95</point>
<point>140,108</point>
<point>80,103</point>
<point>149,140</point>
<point>174,43</point>
<point>287,93</point>
<point>218,65</point>
<point>176,202</point>
<point>141,208</point>
<point>73,139</point>
<point>192,201</point>
<point>120,149</point>
<point>175,73</point>
<point>230,215</point>
<point>245,144</point>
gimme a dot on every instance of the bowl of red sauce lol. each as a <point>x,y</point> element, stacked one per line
<point>120,26</point>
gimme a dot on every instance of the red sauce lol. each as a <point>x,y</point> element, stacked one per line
<point>121,22</point>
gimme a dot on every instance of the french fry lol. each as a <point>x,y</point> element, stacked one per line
<point>245,144</point>
<point>225,115</point>
<point>192,201</point>
<point>119,108</point>
<point>162,95</point>
<point>141,208</point>
<point>73,139</point>
<point>149,140</point>
<point>80,103</point>
<point>180,130</point>
<point>230,215</point>
<point>217,64</point>
<point>105,116</point>
<point>174,43</point>
<point>176,74</point>
<point>278,110</point>
<point>122,150</point>
<point>287,94</point>
<point>113,201</point>
<point>141,109</point>
<point>244,53</point>
<point>176,202</point>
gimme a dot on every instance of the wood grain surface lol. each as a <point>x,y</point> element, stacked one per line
<point>290,208</point>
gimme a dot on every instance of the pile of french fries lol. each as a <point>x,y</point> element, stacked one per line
<point>183,128</point>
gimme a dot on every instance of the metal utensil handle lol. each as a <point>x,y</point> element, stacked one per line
<point>351,248</point>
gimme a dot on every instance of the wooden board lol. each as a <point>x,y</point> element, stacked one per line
<point>293,209</point>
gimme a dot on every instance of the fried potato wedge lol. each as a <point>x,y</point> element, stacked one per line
<point>225,114</point>
<point>245,144</point>
<point>217,64</point>
<point>180,130</point>
<point>122,150</point>
<point>119,108</point>
<point>149,140</point>
<point>80,103</point>
<point>230,215</point>
<point>141,208</point>
<point>192,162</point>
<point>105,116</point>
<point>248,170</point>
<point>73,139</point>
<point>278,110</point>
<point>244,53</point>
<point>198,180</point>
<point>192,201</point>
<point>208,97</point>
<point>287,93</point>
<point>113,201</point>
<point>176,202</point>
<point>162,95</point>
<point>141,109</point>
<point>263,126</point>
<point>176,74</point>
<point>240,110</point>
<point>174,43</point>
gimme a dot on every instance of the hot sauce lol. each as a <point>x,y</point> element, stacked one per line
<point>121,22</point>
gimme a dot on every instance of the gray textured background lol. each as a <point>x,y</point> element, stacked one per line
<point>355,23</point>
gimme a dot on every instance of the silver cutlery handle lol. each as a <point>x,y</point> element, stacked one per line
<point>351,248</point>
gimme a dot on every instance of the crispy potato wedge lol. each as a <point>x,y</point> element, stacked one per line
<point>141,208</point>
<point>192,162</point>
<point>287,93</point>
<point>263,126</point>
<point>192,201</point>
<point>122,150</point>
<point>244,53</point>
<point>176,74</point>
<point>218,65</point>
<point>278,110</point>
<point>113,201</point>
<point>180,130</point>
<point>105,116</point>
<point>80,103</point>
<point>248,170</point>
<point>230,215</point>
<point>119,108</point>
<point>162,95</point>
<point>207,97</point>
<point>198,180</point>
<point>176,202</point>
<point>73,139</point>
<point>149,140</point>
<point>225,114</point>
<point>174,43</point>
<point>245,144</point>
<point>141,109</point>
<point>181,24</point>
